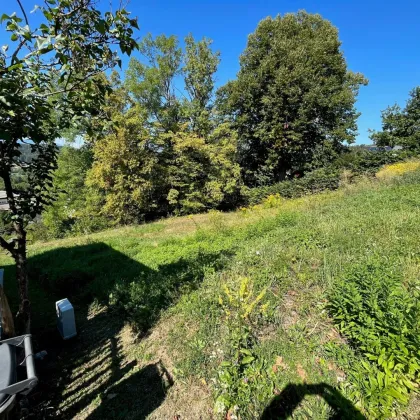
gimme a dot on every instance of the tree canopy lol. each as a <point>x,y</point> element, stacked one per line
<point>401,127</point>
<point>165,154</point>
<point>293,93</point>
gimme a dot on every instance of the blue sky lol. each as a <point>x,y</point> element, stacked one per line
<point>381,39</point>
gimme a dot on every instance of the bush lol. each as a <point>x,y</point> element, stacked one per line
<point>350,165</point>
<point>364,162</point>
<point>314,182</point>
<point>37,231</point>
<point>380,315</point>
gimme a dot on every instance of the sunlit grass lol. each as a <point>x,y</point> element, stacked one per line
<point>168,278</point>
<point>396,169</point>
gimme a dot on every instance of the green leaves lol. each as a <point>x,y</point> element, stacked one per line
<point>101,26</point>
<point>50,83</point>
<point>400,126</point>
<point>246,360</point>
<point>379,315</point>
<point>289,98</point>
<point>200,67</point>
<point>4,17</point>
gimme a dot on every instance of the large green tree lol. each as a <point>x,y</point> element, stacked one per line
<point>401,126</point>
<point>293,93</point>
<point>128,169</point>
<point>48,83</point>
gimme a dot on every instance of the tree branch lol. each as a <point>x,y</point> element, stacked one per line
<point>74,86</point>
<point>23,11</point>
<point>14,56</point>
<point>6,245</point>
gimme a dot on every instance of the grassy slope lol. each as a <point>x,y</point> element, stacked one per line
<point>169,277</point>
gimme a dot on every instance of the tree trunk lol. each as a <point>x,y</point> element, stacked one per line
<point>7,323</point>
<point>17,247</point>
<point>23,316</point>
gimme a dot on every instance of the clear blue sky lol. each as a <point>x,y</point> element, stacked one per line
<point>381,39</point>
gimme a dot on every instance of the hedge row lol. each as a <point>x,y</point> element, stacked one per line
<point>328,178</point>
<point>314,182</point>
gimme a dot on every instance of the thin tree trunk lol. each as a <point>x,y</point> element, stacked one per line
<point>7,323</point>
<point>18,250</point>
<point>23,316</point>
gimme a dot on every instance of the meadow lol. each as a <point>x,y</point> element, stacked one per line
<point>306,307</point>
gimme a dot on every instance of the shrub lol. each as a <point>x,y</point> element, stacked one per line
<point>314,182</point>
<point>366,162</point>
<point>38,231</point>
<point>345,169</point>
<point>273,200</point>
<point>380,315</point>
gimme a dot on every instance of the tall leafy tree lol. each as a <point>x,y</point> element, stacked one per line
<point>201,64</point>
<point>142,175</point>
<point>165,155</point>
<point>128,169</point>
<point>152,82</point>
<point>202,173</point>
<point>401,126</point>
<point>293,92</point>
<point>72,194</point>
<point>48,82</point>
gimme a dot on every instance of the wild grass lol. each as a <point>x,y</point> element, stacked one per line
<point>239,306</point>
<point>400,168</point>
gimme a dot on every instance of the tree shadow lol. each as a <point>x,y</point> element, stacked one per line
<point>137,397</point>
<point>283,405</point>
<point>92,373</point>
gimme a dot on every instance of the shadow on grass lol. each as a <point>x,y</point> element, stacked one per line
<point>150,385</point>
<point>283,406</point>
<point>92,373</point>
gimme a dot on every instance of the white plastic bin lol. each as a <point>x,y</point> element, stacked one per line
<point>66,323</point>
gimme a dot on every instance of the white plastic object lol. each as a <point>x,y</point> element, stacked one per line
<point>66,323</point>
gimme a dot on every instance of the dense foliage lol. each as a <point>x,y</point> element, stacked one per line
<point>401,127</point>
<point>165,154</point>
<point>293,95</point>
<point>380,313</point>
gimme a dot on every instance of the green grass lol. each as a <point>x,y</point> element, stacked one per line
<point>168,303</point>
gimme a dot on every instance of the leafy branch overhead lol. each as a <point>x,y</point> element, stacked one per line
<point>49,82</point>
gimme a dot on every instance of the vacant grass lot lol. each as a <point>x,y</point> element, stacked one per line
<point>307,308</point>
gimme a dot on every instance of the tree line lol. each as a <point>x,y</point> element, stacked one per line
<point>177,145</point>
